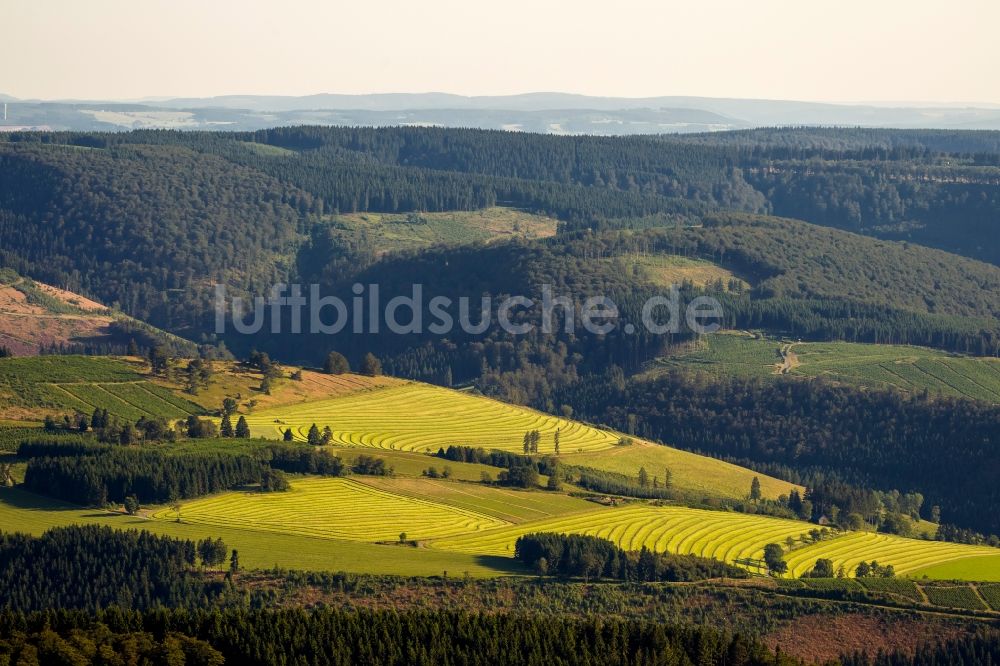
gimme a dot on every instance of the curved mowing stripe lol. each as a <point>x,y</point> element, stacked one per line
<point>337,509</point>
<point>905,555</point>
<point>674,529</point>
<point>419,417</point>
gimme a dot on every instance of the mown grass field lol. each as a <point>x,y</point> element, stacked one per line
<point>25,512</point>
<point>421,417</point>
<point>399,231</point>
<point>694,474</point>
<point>507,504</point>
<point>985,567</point>
<point>722,535</point>
<point>907,556</point>
<point>334,508</point>
<point>911,369</point>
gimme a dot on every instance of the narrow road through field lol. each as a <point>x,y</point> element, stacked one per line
<point>789,360</point>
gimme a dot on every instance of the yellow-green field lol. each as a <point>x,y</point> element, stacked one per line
<point>690,472</point>
<point>721,535</point>
<point>907,556</point>
<point>421,417</point>
<point>508,504</point>
<point>986,568</point>
<point>336,509</point>
<point>32,514</point>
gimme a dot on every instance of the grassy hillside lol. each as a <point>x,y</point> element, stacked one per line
<point>907,556</point>
<point>910,369</point>
<point>24,512</point>
<point>335,508</point>
<point>666,270</point>
<point>697,475</point>
<point>423,418</point>
<point>390,232</point>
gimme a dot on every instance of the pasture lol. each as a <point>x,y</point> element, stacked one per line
<point>666,270</point>
<point>507,504</point>
<point>424,418</point>
<point>907,556</point>
<point>910,369</point>
<point>982,567</point>
<point>32,514</point>
<point>334,508</point>
<point>403,231</point>
<point>722,535</point>
<point>421,418</point>
<point>696,475</point>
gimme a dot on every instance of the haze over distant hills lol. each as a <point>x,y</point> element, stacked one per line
<point>553,113</point>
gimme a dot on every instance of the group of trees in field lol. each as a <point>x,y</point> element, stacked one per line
<point>154,477</point>
<point>577,555</point>
<point>94,474</point>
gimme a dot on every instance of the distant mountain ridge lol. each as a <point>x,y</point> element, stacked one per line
<point>546,112</point>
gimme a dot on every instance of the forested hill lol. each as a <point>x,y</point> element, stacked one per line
<point>150,220</point>
<point>144,228</point>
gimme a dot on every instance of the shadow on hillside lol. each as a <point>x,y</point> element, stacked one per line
<point>507,565</point>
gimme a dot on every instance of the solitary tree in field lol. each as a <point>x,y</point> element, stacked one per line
<point>131,505</point>
<point>643,477</point>
<point>668,478</point>
<point>336,364</point>
<point>555,441</point>
<point>755,490</point>
<point>327,436</point>
<point>175,505</point>
<point>158,359</point>
<point>527,442</point>
<point>288,437</point>
<point>226,428</point>
<point>229,406</point>
<point>370,365</point>
<point>234,562</point>
<point>242,429</point>
<point>774,558</point>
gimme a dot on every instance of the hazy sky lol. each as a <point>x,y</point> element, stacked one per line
<point>843,50</point>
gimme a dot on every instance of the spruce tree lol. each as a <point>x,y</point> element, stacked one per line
<point>226,428</point>
<point>242,429</point>
<point>314,437</point>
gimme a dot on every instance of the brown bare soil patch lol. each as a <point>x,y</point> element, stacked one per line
<point>820,638</point>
